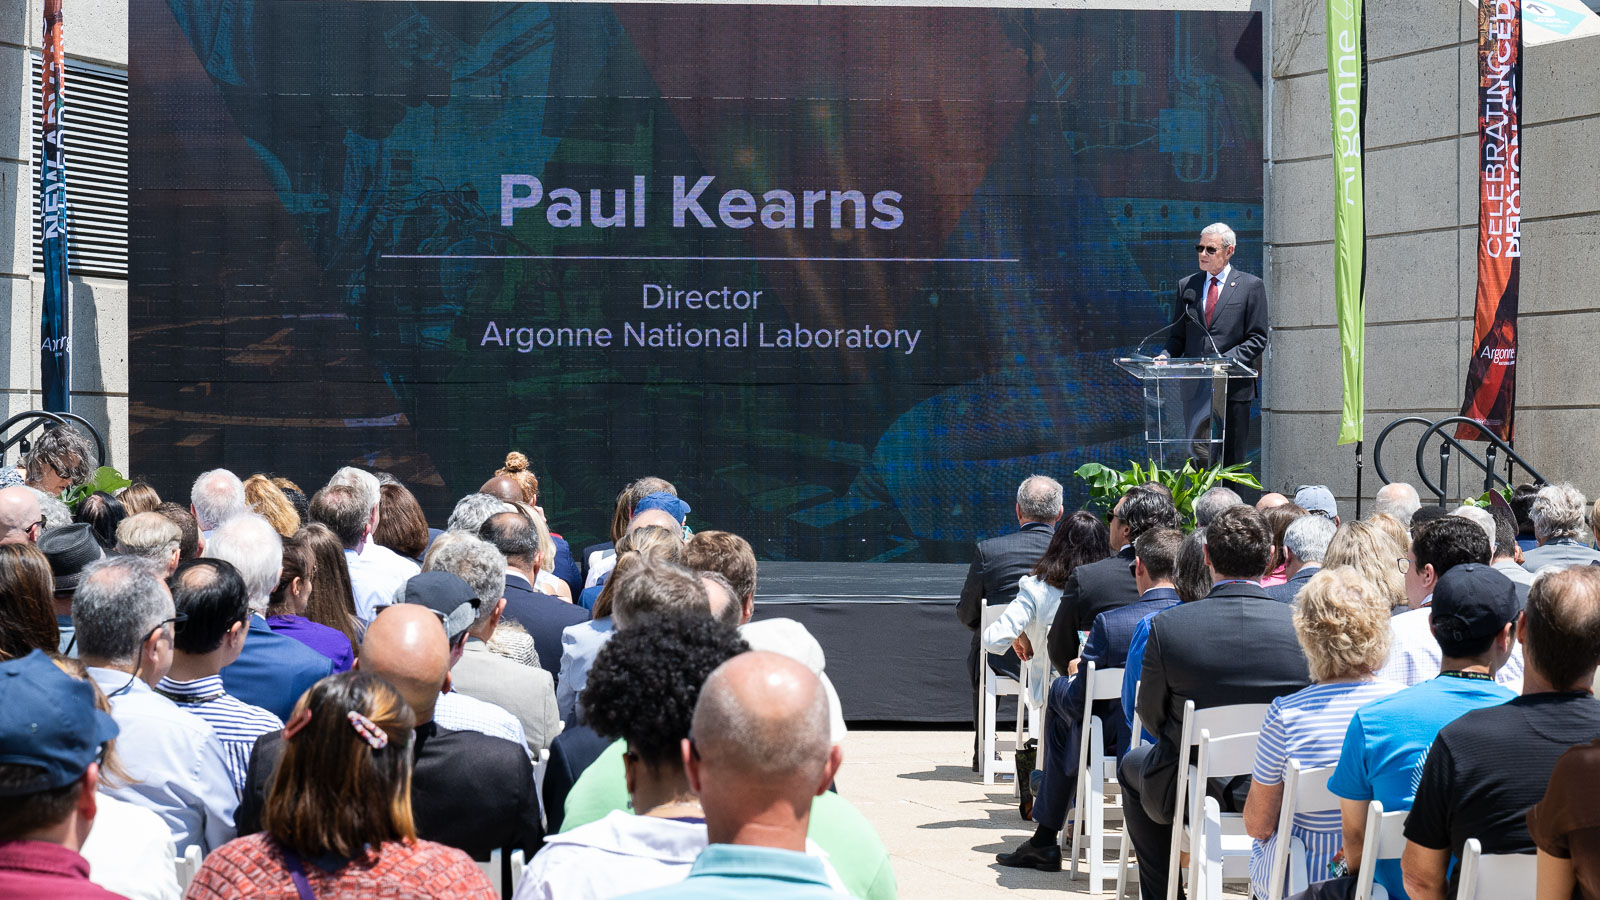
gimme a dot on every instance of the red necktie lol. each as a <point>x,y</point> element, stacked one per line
<point>1211,300</point>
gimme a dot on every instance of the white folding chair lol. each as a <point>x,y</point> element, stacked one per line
<point>539,767</point>
<point>995,686</point>
<point>1221,722</point>
<point>1097,772</point>
<point>186,865</point>
<point>1125,846</point>
<point>1496,876</point>
<point>491,868</point>
<point>1385,839</point>
<point>519,865</point>
<point>1304,790</point>
<point>1222,849</point>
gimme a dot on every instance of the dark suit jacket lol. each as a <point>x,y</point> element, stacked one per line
<point>1235,645</point>
<point>570,754</point>
<point>997,565</point>
<point>274,670</point>
<point>1107,648</point>
<point>1239,327</point>
<point>1285,593</point>
<point>1091,590</point>
<point>544,617</point>
<point>583,560</point>
<point>468,790</point>
<point>566,568</point>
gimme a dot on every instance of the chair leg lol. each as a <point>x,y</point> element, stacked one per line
<point>986,727</point>
<point>1096,815</point>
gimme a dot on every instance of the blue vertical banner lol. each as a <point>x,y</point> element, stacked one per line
<point>55,336</point>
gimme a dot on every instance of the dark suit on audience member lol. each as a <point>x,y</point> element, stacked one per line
<point>1236,645</point>
<point>1285,593</point>
<point>544,617</point>
<point>583,560</point>
<point>1091,590</point>
<point>566,568</point>
<point>1107,648</point>
<point>1239,330</point>
<point>997,565</point>
<point>273,670</point>
<point>571,753</point>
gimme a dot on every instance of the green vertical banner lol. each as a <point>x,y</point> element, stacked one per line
<point>1347,97</point>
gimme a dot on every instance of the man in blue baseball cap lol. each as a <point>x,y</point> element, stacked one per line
<point>51,740</point>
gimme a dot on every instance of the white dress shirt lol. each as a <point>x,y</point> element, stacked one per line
<point>1030,613</point>
<point>1415,657</point>
<point>130,851</point>
<point>175,763</point>
<point>786,637</point>
<point>580,644</point>
<point>458,712</point>
<point>375,574</point>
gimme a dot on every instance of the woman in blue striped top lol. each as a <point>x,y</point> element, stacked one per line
<point>1342,621</point>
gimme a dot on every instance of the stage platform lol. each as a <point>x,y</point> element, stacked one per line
<point>895,650</point>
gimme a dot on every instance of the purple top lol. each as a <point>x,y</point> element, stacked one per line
<point>327,641</point>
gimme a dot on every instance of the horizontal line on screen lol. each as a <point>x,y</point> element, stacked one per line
<point>897,259</point>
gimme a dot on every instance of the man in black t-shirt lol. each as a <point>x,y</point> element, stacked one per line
<point>1488,767</point>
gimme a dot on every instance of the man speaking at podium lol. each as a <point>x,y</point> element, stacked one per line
<point>1223,312</point>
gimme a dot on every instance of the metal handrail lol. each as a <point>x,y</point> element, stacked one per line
<point>1487,463</point>
<point>43,419</point>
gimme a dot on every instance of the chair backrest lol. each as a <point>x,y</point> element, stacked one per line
<point>1224,757</point>
<point>186,865</point>
<point>491,868</point>
<point>991,614</point>
<point>1100,684</point>
<point>1304,790</point>
<point>1495,876</point>
<point>1385,838</point>
<point>519,863</point>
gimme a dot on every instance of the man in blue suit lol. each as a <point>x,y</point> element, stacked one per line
<point>273,669</point>
<point>1155,562</point>
<point>544,616</point>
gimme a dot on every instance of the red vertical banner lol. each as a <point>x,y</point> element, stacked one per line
<point>1492,372</point>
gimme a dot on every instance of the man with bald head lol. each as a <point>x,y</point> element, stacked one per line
<point>1269,500</point>
<point>468,790</point>
<point>759,752</point>
<point>20,518</point>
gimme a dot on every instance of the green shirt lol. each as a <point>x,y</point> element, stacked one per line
<point>840,829</point>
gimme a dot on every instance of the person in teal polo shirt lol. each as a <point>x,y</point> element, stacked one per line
<point>758,754</point>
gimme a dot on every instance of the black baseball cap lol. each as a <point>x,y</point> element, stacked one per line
<point>449,596</point>
<point>1472,601</point>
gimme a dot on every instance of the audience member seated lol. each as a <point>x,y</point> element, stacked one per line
<point>528,692</point>
<point>51,736</point>
<point>1317,500</point>
<point>1397,499</point>
<point>27,608</point>
<point>1422,517</point>
<point>267,500</point>
<point>1507,555</point>
<point>70,549</point>
<point>1369,549</point>
<point>562,565</point>
<point>544,616</point>
<point>272,670</point>
<point>1394,528</point>
<point>20,517</point>
<point>62,457</point>
<point>332,601</point>
<point>1305,545</point>
<point>1487,768</point>
<point>401,525</point>
<point>595,556</point>
<point>1207,505</point>
<point>176,767</point>
<point>473,510</point>
<point>1565,826</point>
<point>1473,617</point>
<point>209,595</point>
<point>349,507</point>
<point>139,497</point>
<point>338,821</point>
<point>291,597</point>
<point>216,497</point>
<point>628,699</point>
<point>1269,500</point>
<point>468,790</point>
<point>1558,513</point>
<point>1237,645</point>
<point>1191,581</point>
<point>103,513</point>
<point>151,536</point>
<point>1440,545</point>
<point>1522,497</point>
<point>759,756</point>
<point>1155,561</point>
<point>1343,626</point>
<point>1279,518</point>
<point>550,558</point>
<point>191,543</point>
<point>1095,587</point>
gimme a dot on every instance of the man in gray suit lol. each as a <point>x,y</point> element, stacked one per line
<point>1558,524</point>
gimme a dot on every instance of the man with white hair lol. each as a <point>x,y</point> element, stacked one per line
<point>1305,544</point>
<point>217,496</point>
<point>1398,499</point>
<point>473,510</point>
<point>351,512</point>
<point>1223,311</point>
<point>20,518</point>
<point>272,669</point>
<point>1214,501</point>
<point>1557,514</point>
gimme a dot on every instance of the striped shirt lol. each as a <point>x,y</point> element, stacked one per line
<point>236,722</point>
<point>1308,727</point>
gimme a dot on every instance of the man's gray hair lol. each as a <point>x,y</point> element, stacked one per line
<point>1558,512</point>
<point>1214,501</point>
<point>120,600</point>
<point>364,483</point>
<point>256,550</point>
<point>653,585</point>
<point>1223,233</point>
<point>149,535</point>
<point>1308,537</point>
<point>217,496</point>
<point>1480,518</point>
<point>56,514</point>
<point>474,561</point>
<point>1039,498</point>
<point>1400,500</point>
<point>473,510</point>
<point>740,734</point>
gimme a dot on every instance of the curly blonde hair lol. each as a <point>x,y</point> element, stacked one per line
<point>266,498</point>
<point>518,469</point>
<point>1368,548</point>
<point>1342,621</point>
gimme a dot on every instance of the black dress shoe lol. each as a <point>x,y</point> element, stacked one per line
<point>1045,859</point>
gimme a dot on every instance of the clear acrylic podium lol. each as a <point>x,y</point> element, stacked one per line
<point>1185,406</point>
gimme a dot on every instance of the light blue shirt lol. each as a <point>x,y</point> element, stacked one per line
<point>738,872</point>
<point>1387,743</point>
<point>175,764</point>
<point>580,644</point>
<point>1133,670</point>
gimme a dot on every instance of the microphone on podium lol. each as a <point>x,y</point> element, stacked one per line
<point>1196,318</point>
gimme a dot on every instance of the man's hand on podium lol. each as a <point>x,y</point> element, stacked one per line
<point>1161,360</point>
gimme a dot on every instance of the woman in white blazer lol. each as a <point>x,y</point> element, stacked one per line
<point>1080,538</point>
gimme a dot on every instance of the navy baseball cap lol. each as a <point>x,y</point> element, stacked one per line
<point>667,503</point>
<point>1471,602</point>
<point>48,720</point>
<point>449,596</point>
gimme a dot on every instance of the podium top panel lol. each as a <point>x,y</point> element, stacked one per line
<point>1143,367</point>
